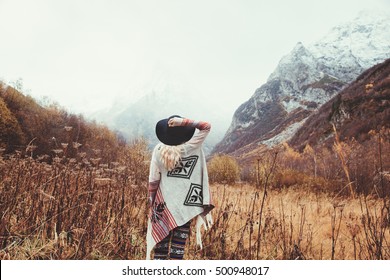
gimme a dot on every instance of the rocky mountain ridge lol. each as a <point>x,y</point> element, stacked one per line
<point>363,106</point>
<point>304,80</point>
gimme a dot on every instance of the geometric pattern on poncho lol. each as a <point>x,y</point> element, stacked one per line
<point>194,196</point>
<point>184,168</point>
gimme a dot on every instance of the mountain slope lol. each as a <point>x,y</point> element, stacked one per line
<point>33,130</point>
<point>359,108</point>
<point>304,80</point>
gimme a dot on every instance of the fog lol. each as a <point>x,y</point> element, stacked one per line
<point>86,55</point>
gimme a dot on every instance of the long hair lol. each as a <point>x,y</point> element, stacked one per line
<point>170,155</point>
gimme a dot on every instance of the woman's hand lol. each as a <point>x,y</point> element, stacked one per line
<point>175,121</point>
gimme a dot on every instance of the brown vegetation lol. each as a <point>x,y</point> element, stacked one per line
<point>223,169</point>
<point>359,108</point>
<point>74,208</point>
<point>86,196</point>
<point>32,129</point>
<point>296,224</point>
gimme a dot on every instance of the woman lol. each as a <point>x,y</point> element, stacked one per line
<point>178,187</point>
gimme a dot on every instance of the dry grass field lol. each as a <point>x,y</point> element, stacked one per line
<point>295,224</point>
<point>78,209</point>
<point>73,189</point>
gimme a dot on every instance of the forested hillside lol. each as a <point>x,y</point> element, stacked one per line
<point>50,131</point>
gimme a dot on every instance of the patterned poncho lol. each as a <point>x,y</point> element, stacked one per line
<point>179,195</point>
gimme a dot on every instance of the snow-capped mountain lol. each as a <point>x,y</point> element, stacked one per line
<point>305,79</point>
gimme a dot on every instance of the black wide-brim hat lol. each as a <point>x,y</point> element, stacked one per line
<point>173,136</point>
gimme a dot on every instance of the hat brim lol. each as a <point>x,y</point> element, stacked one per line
<point>173,136</point>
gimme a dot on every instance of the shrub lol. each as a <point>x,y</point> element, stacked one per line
<point>11,134</point>
<point>223,169</point>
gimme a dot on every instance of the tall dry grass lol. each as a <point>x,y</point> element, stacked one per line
<point>79,208</point>
<point>74,208</point>
<point>296,224</point>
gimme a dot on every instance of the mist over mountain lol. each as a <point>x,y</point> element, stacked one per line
<point>161,98</point>
<point>304,80</point>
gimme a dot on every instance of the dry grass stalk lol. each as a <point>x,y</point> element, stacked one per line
<point>339,150</point>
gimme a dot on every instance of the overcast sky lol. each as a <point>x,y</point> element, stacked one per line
<point>84,54</point>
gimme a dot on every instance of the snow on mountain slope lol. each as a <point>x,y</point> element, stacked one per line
<point>305,79</point>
